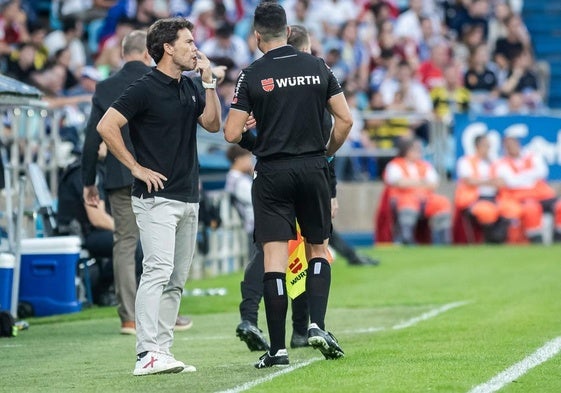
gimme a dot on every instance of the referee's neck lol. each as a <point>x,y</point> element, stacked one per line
<point>268,46</point>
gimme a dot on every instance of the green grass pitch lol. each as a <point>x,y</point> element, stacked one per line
<point>510,305</point>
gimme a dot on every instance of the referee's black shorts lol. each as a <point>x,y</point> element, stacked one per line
<point>286,190</point>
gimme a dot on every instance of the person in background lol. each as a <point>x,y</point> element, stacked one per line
<point>225,44</point>
<point>412,182</point>
<point>451,97</point>
<point>404,93</point>
<point>21,64</point>
<point>480,79</point>
<point>69,37</point>
<point>13,26</point>
<point>93,224</point>
<point>523,175</point>
<point>476,194</point>
<point>523,80</point>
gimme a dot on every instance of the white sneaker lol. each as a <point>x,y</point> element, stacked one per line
<point>187,368</point>
<point>157,363</point>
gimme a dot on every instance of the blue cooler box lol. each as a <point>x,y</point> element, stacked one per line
<point>7,262</point>
<point>48,275</point>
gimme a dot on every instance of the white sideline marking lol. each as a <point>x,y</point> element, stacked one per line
<point>428,315</point>
<point>543,354</point>
<point>410,322</point>
<point>255,382</point>
<point>365,330</point>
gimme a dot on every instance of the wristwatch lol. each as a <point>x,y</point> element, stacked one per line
<point>211,85</point>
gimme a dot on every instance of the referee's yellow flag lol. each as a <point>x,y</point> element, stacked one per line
<point>297,266</point>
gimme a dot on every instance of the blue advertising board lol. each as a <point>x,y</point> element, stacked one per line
<point>538,134</point>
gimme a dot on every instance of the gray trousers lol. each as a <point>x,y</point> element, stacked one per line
<point>125,242</point>
<point>168,232</point>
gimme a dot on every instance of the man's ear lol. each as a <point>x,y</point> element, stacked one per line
<point>288,31</point>
<point>168,48</point>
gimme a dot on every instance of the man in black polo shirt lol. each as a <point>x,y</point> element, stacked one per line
<point>288,92</point>
<point>162,110</point>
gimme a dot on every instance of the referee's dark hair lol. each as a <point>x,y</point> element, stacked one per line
<point>164,31</point>
<point>269,21</point>
<point>298,37</point>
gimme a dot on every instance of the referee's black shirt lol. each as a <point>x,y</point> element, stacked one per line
<point>162,115</point>
<point>287,91</point>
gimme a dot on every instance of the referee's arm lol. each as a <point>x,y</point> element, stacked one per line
<point>337,106</point>
<point>234,126</point>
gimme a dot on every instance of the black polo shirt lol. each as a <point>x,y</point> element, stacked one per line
<point>486,80</point>
<point>162,115</point>
<point>287,91</point>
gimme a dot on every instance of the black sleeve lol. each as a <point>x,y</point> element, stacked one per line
<point>133,100</point>
<point>241,100</point>
<point>332,179</point>
<point>248,140</point>
<point>333,85</point>
<point>91,144</point>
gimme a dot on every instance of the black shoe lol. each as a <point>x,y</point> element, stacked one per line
<point>252,336</point>
<point>298,340</point>
<point>280,359</point>
<point>363,260</point>
<point>325,342</point>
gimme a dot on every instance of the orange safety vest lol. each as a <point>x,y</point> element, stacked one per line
<point>539,192</point>
<point>422,169</point>
<point>467,194</point>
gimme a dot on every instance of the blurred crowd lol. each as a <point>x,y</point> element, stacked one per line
<point>431,57</point>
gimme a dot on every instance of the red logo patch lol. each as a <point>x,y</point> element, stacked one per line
<point>295,266</point>
<point>268,84</point>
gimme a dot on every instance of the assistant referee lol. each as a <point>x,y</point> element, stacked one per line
<point>288,92</point>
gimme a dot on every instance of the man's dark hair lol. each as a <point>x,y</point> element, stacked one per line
<point>69,24</point>
<point>298,37</point>
<point>404,63</point>
<point>404,144</point>
<point>224,30</point>
<point>478,139</point>
<point>164,31</point>
<point>270,21</point>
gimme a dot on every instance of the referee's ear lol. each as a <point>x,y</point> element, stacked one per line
<point>288,31</point>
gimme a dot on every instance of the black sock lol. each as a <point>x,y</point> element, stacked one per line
<point>318,281</point>
<point>276,304</point>
<point>300,315</point>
